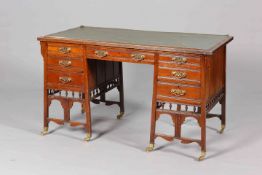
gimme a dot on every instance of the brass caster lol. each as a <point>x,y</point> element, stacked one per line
<point>45,131</point>
<point>222,129</point>
<point>202,156</point>
<point>119,116</point>
<point>88,137</point>
<point>150,147</point>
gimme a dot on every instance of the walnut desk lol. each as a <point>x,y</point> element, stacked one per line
<point>84,63</point>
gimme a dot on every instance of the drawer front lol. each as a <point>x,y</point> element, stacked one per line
<point>66,64</point>
<point>182,61</point>
<point>178,91</point>
<point>65,50</point>
<point>184,76</point>
<point>62,80</point>
<point>121,55</point>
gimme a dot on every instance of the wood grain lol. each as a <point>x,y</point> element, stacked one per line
<point>93,75</point>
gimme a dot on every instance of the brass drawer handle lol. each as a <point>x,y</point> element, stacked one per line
<point>178,92</point>
<point>179,59</point>
<point>65,50</point>
<point>138,57</point>
<point>101,53</point>
<point>179,75</point>
<point>65,63</point>
<point>65,79</point>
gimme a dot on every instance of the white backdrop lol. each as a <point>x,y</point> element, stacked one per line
<point>21,71</point>
<point>21,21</point>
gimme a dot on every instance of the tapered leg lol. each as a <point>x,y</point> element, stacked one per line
<point>121,93</point>
<point>46,112</point>
<point>203,133</point>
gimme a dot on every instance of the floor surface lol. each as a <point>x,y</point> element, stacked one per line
<point>118,146</point>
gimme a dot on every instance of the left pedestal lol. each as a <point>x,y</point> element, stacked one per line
<point>65,80</point>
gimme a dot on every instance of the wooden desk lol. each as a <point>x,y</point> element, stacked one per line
<point>84,63</point>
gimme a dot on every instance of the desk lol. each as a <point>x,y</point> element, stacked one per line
<point>84,63</point>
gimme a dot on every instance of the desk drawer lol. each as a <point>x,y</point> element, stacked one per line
<point>64,79</point>
<point>184,76</point>
<point>183,61</point>
<point>121,55</point>
<point>67,64</point>
<point>65,50</point>
<point>178,91</point>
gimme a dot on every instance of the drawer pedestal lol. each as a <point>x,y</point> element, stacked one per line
<point>188,87</point>
<point>66,71</point>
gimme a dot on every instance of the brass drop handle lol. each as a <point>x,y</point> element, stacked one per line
<point>65,63</point>
<point>178,92</point>
<point>179,75</point>
<point>138,57</point>
<point>65,79</point>
<point>65,50</point>
<point>101,53</point>
<point>179,59</point>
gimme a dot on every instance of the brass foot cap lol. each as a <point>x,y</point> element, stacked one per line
<point>222,129</point>
<point>45,131</point>
<point>202,156</point>
<point>150,148</point>
<point>119,116</point>
<point>88,137</point>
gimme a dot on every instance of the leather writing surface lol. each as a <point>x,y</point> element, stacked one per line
<point>137,37</point>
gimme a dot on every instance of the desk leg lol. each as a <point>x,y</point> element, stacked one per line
<point>46,112</point>
<point>223,100</point>
<point>223,114</point>
<point>154,104</point>
<point>88,119</point>
<point>203,133</point>
<point>87,101</point>
<point>121,92</point>
<point>46,91</point>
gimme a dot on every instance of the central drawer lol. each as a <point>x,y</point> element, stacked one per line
<point>120,55</point>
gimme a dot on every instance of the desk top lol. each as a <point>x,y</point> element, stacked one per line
<point>152,40</point>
